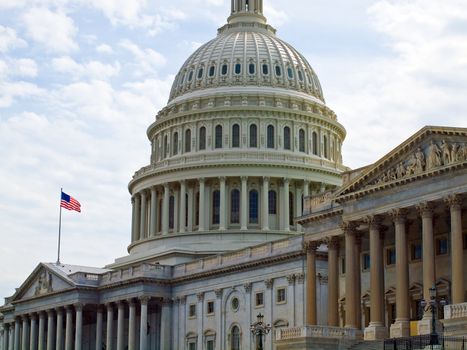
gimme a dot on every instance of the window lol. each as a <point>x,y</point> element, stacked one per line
<point>291,208</point>
<point>175,144</point>
<point>271,136</point>
<point>192,346</point>
<point>465,241</point>
<point>171,212</point>
<point>259,299</point>
<point>187,141</point>
<point>272,202</point>
<point>224,69</point>
<point>235,304</point>
<point>166,146</point>
<point>196,209</point>
<point>186,209</point>
<point>202,138</point>
<point>366,261</point>
<point>235,344</point>
<point>265,69</point>
<point>325,144</point>
<point>280,296</point>
<point>315,143</point>
<point>290,72</point>
<point>278,71</point>
<point>238,68</point>
<point>192,310</point>
<point>391,256</point>
<point>301,140</point>
<point>253,207</point>
<point>212,71</point>
<point>235,206</point>
<point>416,251</point>
<point>219,136</point>
<point>253,136</point>
<point>343,265</point>
<point>190,76</point>
<point>216,202</point>
<point>210,345</point>
<point>300,75</point>
<point>200,73</point>
<point>182,80</point>
<point>251,68</point>
<point>441,246</point>
<point>210,308</point>
<point>287,138</point>
<point>236,136</point>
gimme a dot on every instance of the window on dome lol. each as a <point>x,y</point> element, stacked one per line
<point>253,136</point>
<point>310,81</point>
<point>265,69</point>
<point>238,68</point>
<point>187,141</point>
<point>212,71</point>
<point>182,80</point>
<point>278,71</point>
<point>190,76</point>
<point>325,146</point>
<point>300,75</point>
<point>251,68</point>
<point>235,206</point>
<point>218,136</point>
<point>271,141</point>
<point>171,212</point>
<point>315,143</point>
<point>287,138</point>
<point>216,202</point>
<point>236,136</point>
<point>202,138</point>
<point>224,69</point>
<point>272,201</point>
<point>291,208</point>
<point>290,72</point>
<point>301,140</point>
<point>200,73</point>
<point>253,207</point>
<point>175,144</point>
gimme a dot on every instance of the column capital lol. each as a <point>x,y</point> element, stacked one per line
<point>269,283</point>
<point>100,308</point>
<point>453,201</point>
<point>200,296</point>
<point>248,286</point>
<point>306,182</point>
<point>300,278</point>
<point>348,227</point>
<point>79,306</point>
<point>50,312</point>
<point>33,316</point>
<point>109,305</point>
<point>373,221</point>
<point>201,180</point>
<point>133,200</point>
<point>144,299</point>
<point>120,303</point>
<point>266,178</point>
<point>286,180</point>
<point>425,209</point>
<point>183,300</point>
<point>333,242</point>
<point>398,215</point>
<point>311,246</point>
<point>130,301</point>
<point>222,178</point>
<point>153,189</point>
<point>166,301</point>
<point>59,310</point>
<point>218,293</point>
<point>291,279</point>
<point>166,186</point>
<point>25,317</point>
<point>244,178</point>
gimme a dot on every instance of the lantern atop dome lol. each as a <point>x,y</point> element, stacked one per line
<point>246,11</point>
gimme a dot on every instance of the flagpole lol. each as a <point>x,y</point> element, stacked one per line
<point>59,227</point>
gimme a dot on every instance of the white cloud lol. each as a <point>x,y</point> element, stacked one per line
<point>53,30</point>
<point>93,69</point>
<point>10,91</point>
<point>146,60</point>
<point>9,39</point>
<point>105,49</point>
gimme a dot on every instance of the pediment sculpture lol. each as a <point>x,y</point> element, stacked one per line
<point>44,283</point>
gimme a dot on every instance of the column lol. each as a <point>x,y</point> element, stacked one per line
<point>6,336</point>
<point>25,333</point>
<point>286,205</point>
<point>59,334</point>
<point>358,280</point>
<point>166,324</point>
<point>200,319</point>
<point>202,205</point>
<point>401,328</point>
<point>143,216</point>
<point>219,313</point>
<point>99,324</point>
<point>333,282</point>
<point>133,220</point>
<point>291,296</point>
<point>50,330</point>
<point>41,338</point>
<point>143,336</point>
<point>153,221</point>
<point>11,338</point>
<point>244,204</point>
<point>176,211</point>
<point>17,333</point>
<point>311,314</point>
<point>457,253</point>
<point>376,329</point>
<point>351,300</point>
<point>79,326</point>
<point>132,325</point>
<point>190,208</point>
<point>110,326</point>
<point>222,207</point>
<point>120,325</point>
<point>137,198</point>
<point>182,206</point>
<point>298,206</point>
<point>265,205</point>
<point>165,210</point>
<point>306,188</point>
<point>69,328</point>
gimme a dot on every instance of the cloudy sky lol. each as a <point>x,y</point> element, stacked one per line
<point>81,80</point>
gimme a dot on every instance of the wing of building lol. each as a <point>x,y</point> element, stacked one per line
<point>246,208</point>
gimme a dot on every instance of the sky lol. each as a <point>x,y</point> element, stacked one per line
<point>81,80</point>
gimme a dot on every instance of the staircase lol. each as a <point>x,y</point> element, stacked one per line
<point>368,345</point>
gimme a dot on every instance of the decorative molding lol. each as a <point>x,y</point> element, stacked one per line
<point>218,292</point>
<point>300,278</point>
<point>454,201</point>
<point>247,286</point>
<point>269,283</point>
<point>399,215</point>
<point>291,279</point>
<point>425,209</point>
<point>348,227</point>
<point>200,296</point>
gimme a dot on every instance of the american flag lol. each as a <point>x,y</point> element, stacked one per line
<point>70,203</point>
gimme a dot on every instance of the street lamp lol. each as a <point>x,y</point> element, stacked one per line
<point>432,306</point>
<point>260,329</point>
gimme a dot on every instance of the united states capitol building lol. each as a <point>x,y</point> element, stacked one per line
<point>246,208</point>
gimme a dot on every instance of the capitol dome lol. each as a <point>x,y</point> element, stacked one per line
<point>245,136</point>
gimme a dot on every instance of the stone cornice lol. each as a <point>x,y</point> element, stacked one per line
<point>320,216</point>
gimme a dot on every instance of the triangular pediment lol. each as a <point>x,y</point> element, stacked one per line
<point>430,151</point>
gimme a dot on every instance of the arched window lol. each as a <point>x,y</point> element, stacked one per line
<point>219,136</point>
<point>271,141</point>
<point>202,138</point>
<point>187,141</point>
<point>251,68</point>
<point>300,75</point>
<point>216,203</point>
<point>290,72</point>
<point>253,136</point>
<point>190,76</point>
<point>166,146</point>
<point>175,144</point>
<point>272,199</point>
<point>254,207</point>
<point>235,206</point>
<point>236,136</point>
<point>200,73</point>
<point>278,71</point>
<point>171,212</point>
<point>315,143</point>
<point>265,69</point>
<point>224,69</point>
<point>238,68</point>
<point>212,71</point>
<point>325,146</point>
<point>235,344</point>
<point>197,209</point>
<point>287,138</point>
<point>301,140</point>
<point>291,208</point>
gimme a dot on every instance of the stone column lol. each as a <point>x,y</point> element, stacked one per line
<point>311,313</point>
<point>50,330</point>
<point>137,198</point>
<point>219,318</point>
<point>166,324</point>
<point>143,335</point>
<point>298,206</point>
<point>110,326</point>
<point>17,334</point>
<point>244,204</point>
<point>153,216</point>
<point>286,205</point>
<point>6,336</point>
<point>201,205</point>
<point>120,324</point>
<point>176,211</point>
<point>333,282</point>
<point>306,188</point>
<point>401,328</point>
<point>33,336</point>
<point>358,282</point>
<point>11,338</point>
<point>132,325</point>
<point>165,210</point>
<point>222,207</point>
<point>291,296</point>
<point>99,326</point>
<point>265,205</point>
<point>376,329</point>
<point>41,338</point>
<point>133,220</point>
<point>59,335</point>
<point>79,326</point>
<point>182,206</point>
<point>351,299</point>
<point>25,333</point>
<point>200,318</point>
<point>190,208</point>
<point>457,253</point>
<point>143,216</point>
<point>69,328</point>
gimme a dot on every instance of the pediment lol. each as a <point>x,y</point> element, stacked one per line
<point>430,151</point>
<point>42,281</point>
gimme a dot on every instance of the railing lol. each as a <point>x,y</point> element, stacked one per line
<point>426,342</point>
<point>316,332</point>
<point>455,311</point>
<point>313,204</point>
<point>142,270</point>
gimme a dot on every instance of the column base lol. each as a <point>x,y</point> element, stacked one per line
<point>400,329</point>
<point>424,326</point>
<point>375,331</point>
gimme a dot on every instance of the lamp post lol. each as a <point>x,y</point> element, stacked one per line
<point>260,329</point>
<point>432,306</point>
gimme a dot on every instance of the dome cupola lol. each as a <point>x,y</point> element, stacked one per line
<point>247,11</point>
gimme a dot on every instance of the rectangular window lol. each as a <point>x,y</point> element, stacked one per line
<point>465,241</point>
<point>192,310</point>
<point>210,308</point>
<point>416,251</point>
<point>280,296</point>
<point>442,246</point>
<point>366,261</point>
<point>192,346</point>
<point>210,345</point>
<point>390,256</point>
<point>343,265</point>
<point>259,299</point>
